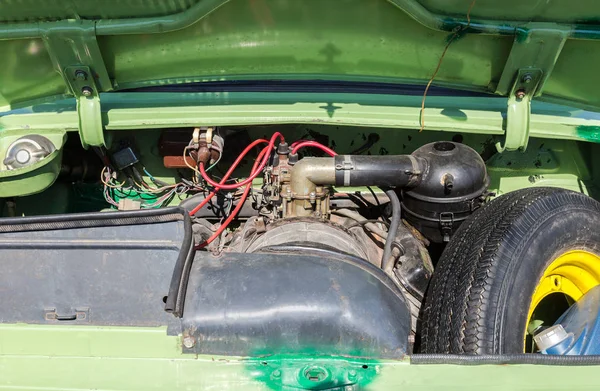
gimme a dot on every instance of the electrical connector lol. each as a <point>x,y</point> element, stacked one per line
<point>124,158</point>
<point>129,204</point>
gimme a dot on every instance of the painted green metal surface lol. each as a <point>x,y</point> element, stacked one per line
<point>158,110</point>
<point>35,178</point>
<point>144,111</point>
<point>400,41</point>
<point>122,358</point>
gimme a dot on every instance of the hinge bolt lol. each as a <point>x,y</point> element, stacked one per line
<point>189,342</point>
<point>80,75</point>
<point>527,78</point>
<point>87,91</point>
<point>520,94</point>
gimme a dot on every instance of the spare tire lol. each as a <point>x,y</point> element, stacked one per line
<point>502,267</point>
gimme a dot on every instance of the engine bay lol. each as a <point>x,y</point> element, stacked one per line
<point>393,199</point>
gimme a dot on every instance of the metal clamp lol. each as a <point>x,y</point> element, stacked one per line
<point>86,92</point>
<point>446,225</point>
<point>518,112</point>
<point>346,164</point>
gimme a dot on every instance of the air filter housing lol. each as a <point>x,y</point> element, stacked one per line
<point>453,185</point>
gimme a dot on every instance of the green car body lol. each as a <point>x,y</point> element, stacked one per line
<point>519,77</point>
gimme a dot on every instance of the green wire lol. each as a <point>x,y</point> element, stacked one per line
<point>215,163</point>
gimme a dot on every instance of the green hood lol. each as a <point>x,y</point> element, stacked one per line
<point>141,43</point>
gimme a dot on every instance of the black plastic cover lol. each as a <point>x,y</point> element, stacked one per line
<point>315,303</point>
<point>108,269</point>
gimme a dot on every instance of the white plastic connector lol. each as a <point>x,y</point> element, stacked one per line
<point>550,337</point>
<point>127,204</point>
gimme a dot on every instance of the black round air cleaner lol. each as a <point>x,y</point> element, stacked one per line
<point>453,185</point>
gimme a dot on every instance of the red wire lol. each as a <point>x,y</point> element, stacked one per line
<point>297,146</point>
<point>240,204</point>
<point>253,175</point>
<point>227,175</point>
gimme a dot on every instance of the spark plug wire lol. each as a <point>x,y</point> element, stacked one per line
<point>297,145</point>
<point>253,174</point>
<point>227,175</point>
<point>265,152</point>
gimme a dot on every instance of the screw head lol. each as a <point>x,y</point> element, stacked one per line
<point>87,91</point>
<point>520,94</point>
<point>189,342</point>
<point>80,75</point>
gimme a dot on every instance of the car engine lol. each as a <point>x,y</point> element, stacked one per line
<point>426,196</point>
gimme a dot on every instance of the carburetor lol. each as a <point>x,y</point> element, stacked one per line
<point>287,192</point>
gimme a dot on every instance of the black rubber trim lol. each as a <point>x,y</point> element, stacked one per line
<point>87,220</point>
<point>329,86</point>
<point>502,359</point>
<point>181,272</point>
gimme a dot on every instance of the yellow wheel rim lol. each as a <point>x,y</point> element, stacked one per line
<point>572,274</point>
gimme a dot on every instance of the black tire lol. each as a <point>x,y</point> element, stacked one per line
<point>479,296</point>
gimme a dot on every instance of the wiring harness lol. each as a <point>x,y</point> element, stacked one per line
<point>129,183</point>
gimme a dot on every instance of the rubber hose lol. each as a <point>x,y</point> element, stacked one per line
<point>88,220</point>
<point>181,271</point>
<point>502,359</point>
<point>387,262</point>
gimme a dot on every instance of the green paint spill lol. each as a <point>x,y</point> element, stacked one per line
<point>521,34</point>
<point>589,133</point>
<point>476,27</point>
<point>311,372</point>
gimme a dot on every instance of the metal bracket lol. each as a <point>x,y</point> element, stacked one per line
<point>518,112</point>
<point>532,58</point>
<point>536,46</point>
<point>76,56</point>
<point>86,92</point>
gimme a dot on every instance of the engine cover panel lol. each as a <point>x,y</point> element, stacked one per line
<point>316,303</point>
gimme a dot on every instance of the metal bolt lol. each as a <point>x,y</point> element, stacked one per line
<point>352,374</point>
<point>527,78</point>
<point>80,75</point>
<point>189,342</point>
<point>520,94</point>
<point>87,91</point>
<point>276,373</point>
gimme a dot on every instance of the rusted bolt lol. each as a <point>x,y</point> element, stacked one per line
<point>80,75</point>
<point>520,94</point>
<point>87,91</point>
<point>189,342</point>
<point>527,78</point>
